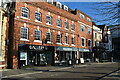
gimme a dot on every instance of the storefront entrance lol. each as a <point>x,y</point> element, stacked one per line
<point>36,55</point>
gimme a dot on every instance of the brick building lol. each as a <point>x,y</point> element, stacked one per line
<point>44,33</point>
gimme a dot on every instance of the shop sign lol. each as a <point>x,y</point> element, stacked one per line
<point>38,47</point>
<point>84,50</point>
<point>66,49</point>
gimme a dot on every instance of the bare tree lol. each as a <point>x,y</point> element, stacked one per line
<point>110,12</point>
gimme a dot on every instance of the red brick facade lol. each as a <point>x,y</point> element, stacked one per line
<point>55,12</point>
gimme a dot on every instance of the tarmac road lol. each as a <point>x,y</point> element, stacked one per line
<point>92,71</point>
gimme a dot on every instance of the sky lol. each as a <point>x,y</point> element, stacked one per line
<point>86,7</point>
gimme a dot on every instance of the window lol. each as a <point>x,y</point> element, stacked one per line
<point>24,33</point>
<point>38,16</point>
<point>83,41</point>
<point>37,35</point>
<point>48,36</point>
<point>66,39</point>
<point>72,27</point>
<point>50,1</point>
<point>25,12</point>
<point>59,5</point>
<point>81,16</point>
<point>58,22</point>
<point>65,8</point>
<point>96,35</point>
<point>58,38</point>
<point>89,43</point>
<point>48,19</point>
<point>82,28</point>
<point>89,30</point>
<point>73,40</point>
<point>88,19</point>
<point>66,25</point>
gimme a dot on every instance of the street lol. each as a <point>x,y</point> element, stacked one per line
<point>89,71</point>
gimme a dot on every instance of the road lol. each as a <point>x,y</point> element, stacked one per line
<point>93,71</point>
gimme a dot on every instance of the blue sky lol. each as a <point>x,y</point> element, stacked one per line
<point>86,7</point>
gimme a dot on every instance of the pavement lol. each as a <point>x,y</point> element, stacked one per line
<point>88,71</point>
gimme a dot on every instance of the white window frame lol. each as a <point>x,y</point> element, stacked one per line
<point>51,1</point>
<point>89,30</point>
<point>24,13</point>
<point>84,41</point>
<point>88,19</point>
<point>65,8</point>
<point>27,34</point>
<point>60,23</point>
<point>50,22</point>
<point>56,39</point>
<point>58,3</point>
<point>82,16</point>
<point>67,25</point>
<point>72,27</point>
<point>74,41</point>
<point>90,42</point>
<point>39,35</point>
<point>67,40</point>
<point>81,27</point>
<point>50,37</point>
<point>39,17</point>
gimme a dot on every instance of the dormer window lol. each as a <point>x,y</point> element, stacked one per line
<point>65,8</point>
<point>58,4</point>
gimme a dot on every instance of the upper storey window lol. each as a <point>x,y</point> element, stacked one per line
<point>66,25</point>
<point>50,1</point>
<point>82,28</point>
<point>65,8</point>
<point>48,20</point>
<point>81,16</point>
<point>37,16</point>
<point>58,4</point>
<point>25,12</point>
<point>88,19</point>
<point>58,22</point>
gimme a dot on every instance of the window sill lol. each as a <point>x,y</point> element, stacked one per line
<point>38,41</point>
<point>72,45</point>
<point>58,26</point>
<point>38,21</point>
<point>49,42</point>
<point>48,24</point>
<point>25,18</point>
<point>24,39</point>
<point>66,29</point>
<point>66,44</point>
<point>73,30</point>
<point>59,43</point>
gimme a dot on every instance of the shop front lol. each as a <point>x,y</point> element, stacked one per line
<point>35,55</point>
<point>85,54</point>
<point>65,55</point>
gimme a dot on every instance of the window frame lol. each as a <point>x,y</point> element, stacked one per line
<point>90,43</point>
<point>73,40</point>
<point>37,36</point>
<point>66,25</point>
<point>21,38</point>
<point>89,30</point>
<point>40,16</point>
<point>82,28</point>
<point>57,38</point>
<point>23,13</point>
<point>88,19</point>
<point>66,39</point>
<point>82,16</point>
<point>72,27</point>
<point>50,21</point>
<point>50,37</point>
<point>59,23</point>
<point>84,42</point>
